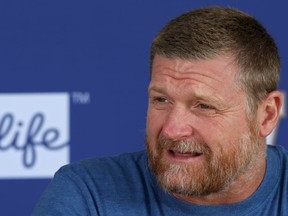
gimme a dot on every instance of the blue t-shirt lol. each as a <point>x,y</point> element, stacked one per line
<point>124,185</point>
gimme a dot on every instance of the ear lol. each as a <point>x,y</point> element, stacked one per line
<point>269,112</point>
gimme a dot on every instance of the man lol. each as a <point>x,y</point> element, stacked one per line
<point>213,100</point>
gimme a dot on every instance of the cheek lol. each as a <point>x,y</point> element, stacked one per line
<point>219,137</point>
<point>224,142</point>
<point>154,123</point>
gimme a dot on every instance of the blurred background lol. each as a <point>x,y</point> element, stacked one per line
<point>74,77</point>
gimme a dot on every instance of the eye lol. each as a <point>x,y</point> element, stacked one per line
<point>205,109</point>
<point>160,100</point>
<point>160,103</point>
<point>205,106</point>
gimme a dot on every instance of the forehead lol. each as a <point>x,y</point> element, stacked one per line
<point>212,76</point>
<point>216,68</point>
<point>221,69</point>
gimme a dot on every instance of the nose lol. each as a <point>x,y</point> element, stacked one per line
<point>177,125</point>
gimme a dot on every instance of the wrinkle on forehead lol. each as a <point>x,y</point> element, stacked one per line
<point>208,72</point>
<point>211,80</point>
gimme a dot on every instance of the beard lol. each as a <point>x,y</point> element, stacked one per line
<point>215,173</point>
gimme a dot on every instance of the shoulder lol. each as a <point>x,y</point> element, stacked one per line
<point>277,156</point>
<point>105,166</point>
<point>96,185</point>
<point>281,152</point>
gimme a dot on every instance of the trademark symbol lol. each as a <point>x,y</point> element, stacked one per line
<point>81,97</point>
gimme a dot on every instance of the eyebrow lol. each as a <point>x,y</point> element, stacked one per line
<point>155,88</point>
<point>196,96</point>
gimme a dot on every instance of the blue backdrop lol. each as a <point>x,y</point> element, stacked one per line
<point>74,78</point>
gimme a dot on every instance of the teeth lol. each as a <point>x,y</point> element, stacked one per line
<point>185,153</point>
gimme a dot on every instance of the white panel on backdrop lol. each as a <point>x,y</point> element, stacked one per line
<point>34,134</point>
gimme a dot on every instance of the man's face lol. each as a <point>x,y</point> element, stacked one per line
<point>198,137</point>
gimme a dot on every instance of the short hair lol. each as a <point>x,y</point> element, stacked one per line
<point>212,31</point>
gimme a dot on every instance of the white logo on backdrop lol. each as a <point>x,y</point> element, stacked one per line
<point>34,134</point>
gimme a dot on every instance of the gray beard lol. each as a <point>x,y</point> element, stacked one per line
<point>214,175</point>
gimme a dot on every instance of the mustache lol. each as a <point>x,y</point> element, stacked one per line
<point>183,146</point>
